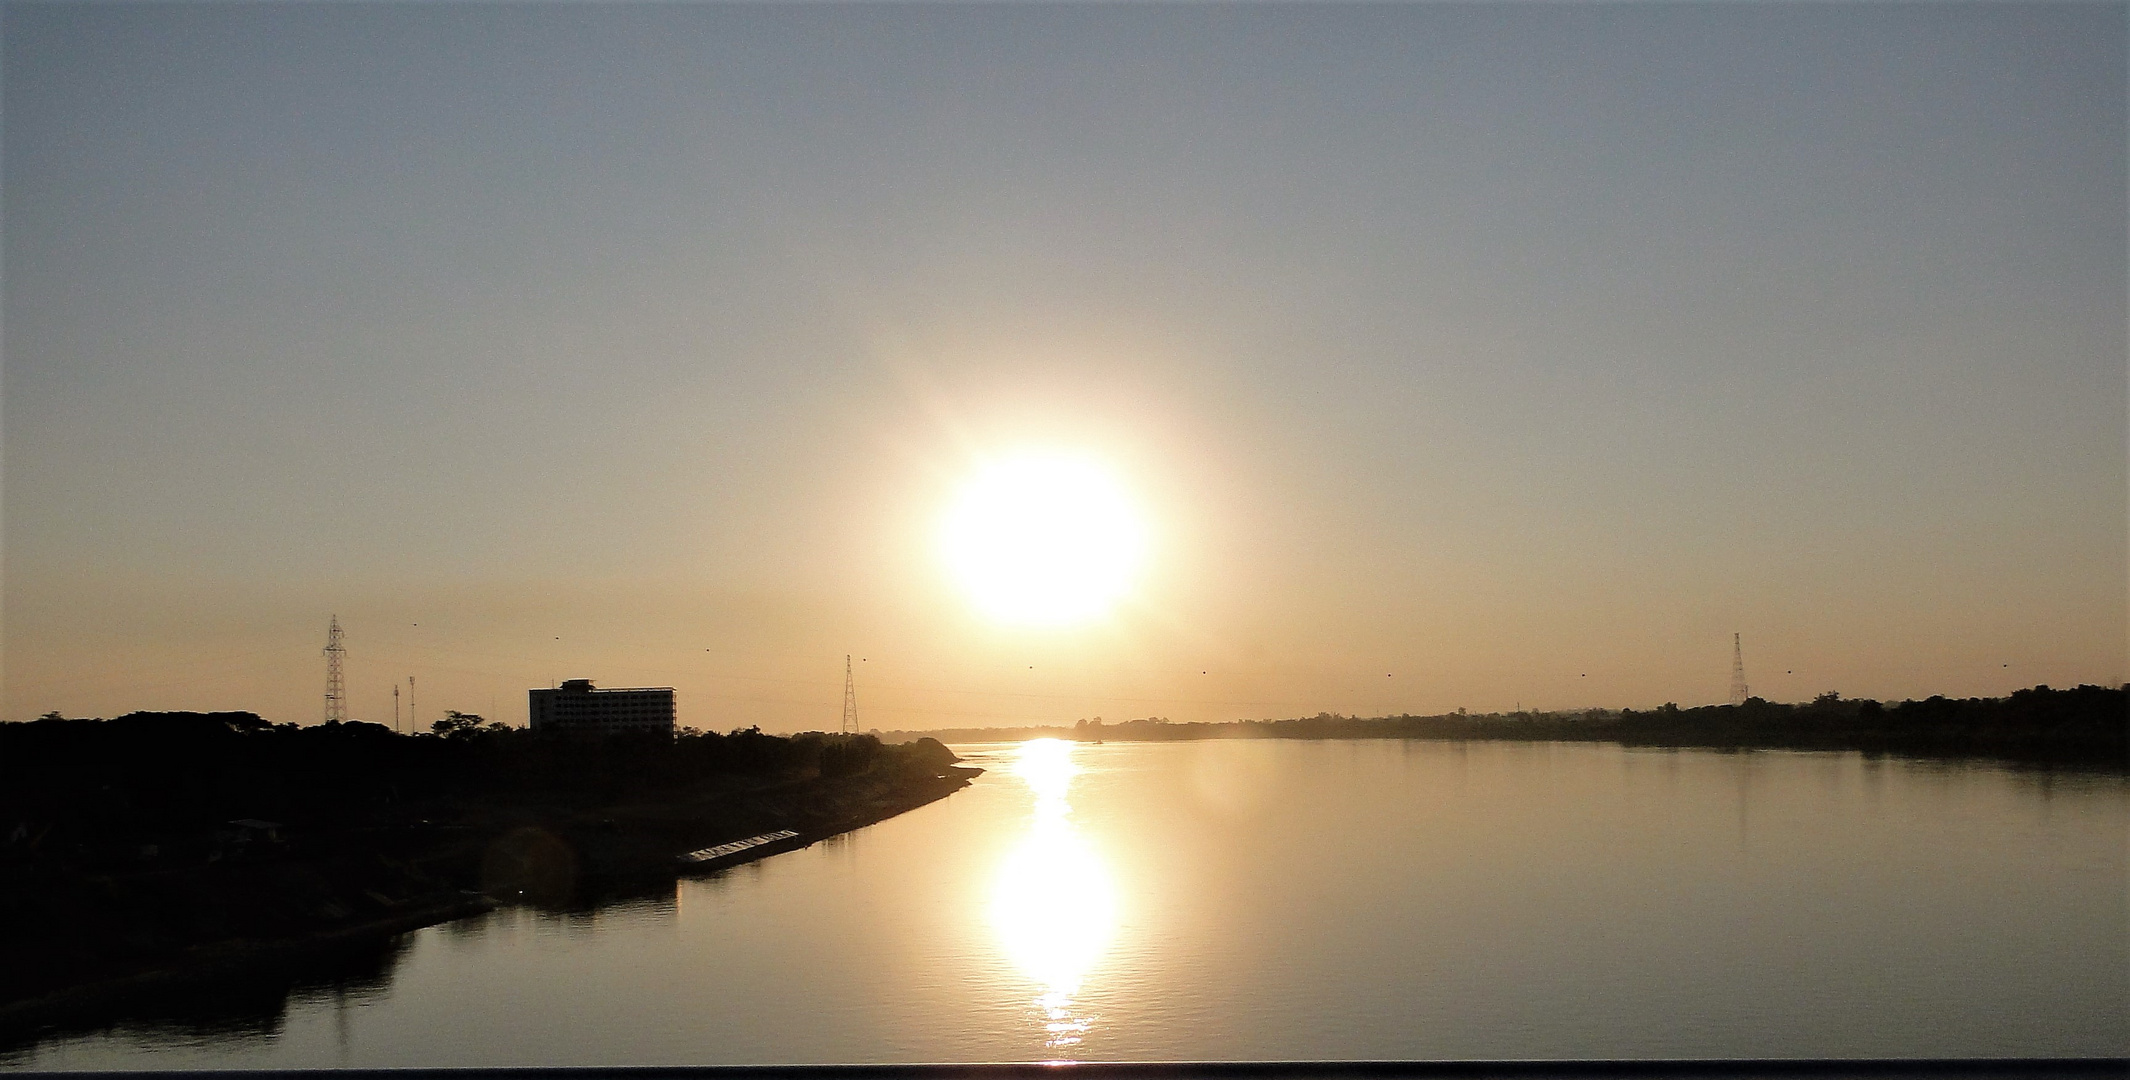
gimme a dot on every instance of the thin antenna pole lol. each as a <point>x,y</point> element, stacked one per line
<point>336,708</point>
<point>850,699</point>
<point>1738,689</point>
<point>395,708</point>
<point>411,718</point>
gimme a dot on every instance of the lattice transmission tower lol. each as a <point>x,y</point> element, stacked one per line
<point>1738,691</point>
<point>336,696</point>
<point>850,699</point>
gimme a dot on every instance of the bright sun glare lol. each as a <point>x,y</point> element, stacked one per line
<point>1044,539</point>
<point>1054,904</point>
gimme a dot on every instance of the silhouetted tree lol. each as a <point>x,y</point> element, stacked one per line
<point>458,725</point>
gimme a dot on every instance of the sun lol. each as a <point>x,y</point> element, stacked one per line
<point>1044,539</point>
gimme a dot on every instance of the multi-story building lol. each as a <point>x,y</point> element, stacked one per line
<point>577,705</point>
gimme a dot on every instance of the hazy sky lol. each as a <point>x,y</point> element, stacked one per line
<point>1463,355</point>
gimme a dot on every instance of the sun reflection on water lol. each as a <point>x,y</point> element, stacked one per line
<point>1054,904</point>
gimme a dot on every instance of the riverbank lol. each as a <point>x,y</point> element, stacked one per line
<point>2085,728</point>
<point>117,896</point>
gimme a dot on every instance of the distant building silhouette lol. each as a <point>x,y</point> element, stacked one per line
<point>579,706</point>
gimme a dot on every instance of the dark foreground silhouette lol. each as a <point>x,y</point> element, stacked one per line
<point>158,852</point>
<point>2084,728</point>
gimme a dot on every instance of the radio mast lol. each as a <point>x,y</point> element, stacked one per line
<point>850,699</point>
<point>336,707</point>
<point>1738,690</point>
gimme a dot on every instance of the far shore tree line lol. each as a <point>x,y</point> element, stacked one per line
<point>2084,726</point>
<point>2087,726</point>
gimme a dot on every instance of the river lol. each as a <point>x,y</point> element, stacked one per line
<point>1297,900</point>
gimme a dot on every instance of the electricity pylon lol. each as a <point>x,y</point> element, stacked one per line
<point>1738,691</point>
<point>850,699</point>
<point>336,706</point>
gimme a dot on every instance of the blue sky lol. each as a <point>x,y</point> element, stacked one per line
<point>1467,355</point>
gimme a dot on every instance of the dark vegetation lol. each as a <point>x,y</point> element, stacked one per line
<point>2087,727</point>
<point>145,849</point>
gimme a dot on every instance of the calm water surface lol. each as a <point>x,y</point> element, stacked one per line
<point>1244,900</point>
